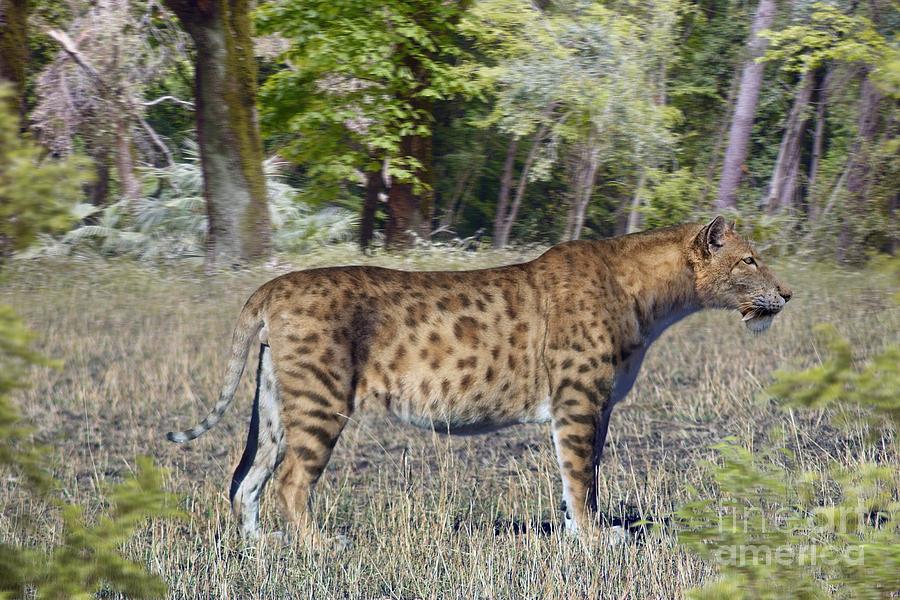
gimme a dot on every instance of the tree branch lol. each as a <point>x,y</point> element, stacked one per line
<point>156,140</point>
<point>172,98</point>
<point>69,48</point>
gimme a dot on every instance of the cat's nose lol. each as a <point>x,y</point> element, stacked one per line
<point>785,292</point>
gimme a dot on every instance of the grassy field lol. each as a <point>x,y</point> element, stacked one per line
<point>428,516</point>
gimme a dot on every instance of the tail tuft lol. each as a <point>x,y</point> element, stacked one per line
<point>179,437</point>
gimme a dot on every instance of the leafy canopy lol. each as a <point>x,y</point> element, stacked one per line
<point>356,78</point>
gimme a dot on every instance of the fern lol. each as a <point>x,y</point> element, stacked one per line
<point>174,224</point>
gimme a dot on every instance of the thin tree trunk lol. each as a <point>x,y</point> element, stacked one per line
<point>522,184</point>
<point>817,145</point>
<point>98,190</point>
<point>586,173</point>
<point>448,217</point>
<point>858,174</point>
<point>721,135</point>
<point>14,48</point>
<point>230,147</point>
<point>745,109</point>
<point>782,187</point>
<point>374,187</point>
<point>587,191</point>
<point>634,214</point>
<point>503,198</point>
<point>128,181</point>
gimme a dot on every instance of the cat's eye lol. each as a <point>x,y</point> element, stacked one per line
<point>750,261</point>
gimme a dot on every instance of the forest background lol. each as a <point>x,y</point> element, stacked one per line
<point>227,130</point>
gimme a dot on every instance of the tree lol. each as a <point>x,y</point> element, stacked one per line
<point>588,80</point>
<point>745,108</point>
<point>13,47</point>
<point>91,94</point>
<point>785,176</point>
<point>231,152</point>
<point>849,46</point>
<point>359,88</point>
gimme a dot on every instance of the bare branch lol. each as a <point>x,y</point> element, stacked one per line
<point>69,48</point>
<point>156,140</point>
<point>171,98</point>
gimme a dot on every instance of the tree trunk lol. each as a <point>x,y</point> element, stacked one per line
<point>634,214</point>
<point>745,109</point>
<point>14,48</point>
<point>503,199</point>
<point>586,173</point>
<point>783,185</point>
<point>817,146</point>
<point>97,191</point>
<point>858,175</point>
<point>129,184</point>
<point>455,202</point>
<point>409,209</point>
<point>374,187</point>
<point>522,184</point>
<point>230,148</point>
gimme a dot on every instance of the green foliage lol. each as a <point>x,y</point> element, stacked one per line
<point>35,198</point>
<point>589,72</point>
<point>35,193</point>
<point>15,356</point>
<point>780,531</point>
<point>89,559</point>
<point>356,79</point>
<point>670,198</point>
<point>172,223</point>
<point>873,388</point>
<point>830,35</point>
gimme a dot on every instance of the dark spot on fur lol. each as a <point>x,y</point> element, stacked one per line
<point>467,363</point>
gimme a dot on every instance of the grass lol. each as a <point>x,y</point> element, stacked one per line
<point>429,516</point>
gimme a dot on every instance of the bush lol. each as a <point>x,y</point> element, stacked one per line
<point>35,193</point>
<point>35,197</point>
<point>781,531</point>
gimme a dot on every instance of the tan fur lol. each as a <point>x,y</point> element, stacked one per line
<point>559,338</point>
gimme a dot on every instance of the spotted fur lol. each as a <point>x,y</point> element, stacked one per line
<point>558,339</point>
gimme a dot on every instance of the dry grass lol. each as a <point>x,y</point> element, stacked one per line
<point>429,516</point>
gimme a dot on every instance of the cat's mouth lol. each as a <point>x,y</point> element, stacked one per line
<point>758,320</point>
